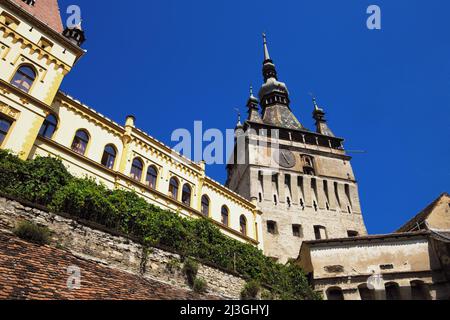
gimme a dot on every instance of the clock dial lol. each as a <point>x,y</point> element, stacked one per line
<point>285,158</point>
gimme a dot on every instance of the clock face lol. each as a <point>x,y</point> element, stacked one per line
<point>285,158</point>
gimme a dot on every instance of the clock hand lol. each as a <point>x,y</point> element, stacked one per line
<point>285,158</point>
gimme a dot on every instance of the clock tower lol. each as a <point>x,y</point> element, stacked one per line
<point>301,179</point>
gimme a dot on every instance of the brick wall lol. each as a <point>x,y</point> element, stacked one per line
<point>117,251</point>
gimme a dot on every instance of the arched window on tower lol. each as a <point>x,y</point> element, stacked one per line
<point>24,78</point>
<point>152,177</point>
<point>186,195</point>
<point>136,169</point>
<point>243,225</point>
<point>205,205</point>
<point>109,156</point>
<point>80,142</point>
<point>173,188</point>
<point>48,128</point>
<point>225,215</point>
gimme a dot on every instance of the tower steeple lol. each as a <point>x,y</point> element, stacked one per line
<point>253,108</point>
<point>321,122</point>
<point>269,70</point>
<point>274,96</point>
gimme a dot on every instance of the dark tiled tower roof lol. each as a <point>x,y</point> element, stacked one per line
<point>47,11</point>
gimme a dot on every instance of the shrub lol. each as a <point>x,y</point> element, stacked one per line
<point>190,269</point>
<point>31,232</point>
<point>251,290</point>
<point>200,285</point>
<point>35,180</point>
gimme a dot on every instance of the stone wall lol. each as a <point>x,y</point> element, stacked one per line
<point>92,242</point>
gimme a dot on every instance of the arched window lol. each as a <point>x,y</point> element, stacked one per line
<point>109,156</point>
<point>152,177</point>
<point>80,142</point>
<point>48,127</point>
<point>420,291</point>
<point>205,206</point>
<point>225,216</point>
<point>173,188</point>
<point>392,291</point>
<point>24,78</point>
<point>186,195</point>
<point>243,225</point>
<point>335,293</point>
<point>365,293</point>
<point>136,169</point>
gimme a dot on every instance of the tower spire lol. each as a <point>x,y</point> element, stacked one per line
<point>274,96</point>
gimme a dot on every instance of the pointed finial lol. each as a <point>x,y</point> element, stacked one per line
<point>266,49</point>
<point>251,91</point>
<point>239,114</point>
<point>316,106</point>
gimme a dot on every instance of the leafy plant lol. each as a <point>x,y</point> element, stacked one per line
<point>32,232</point>
<point>190,269</point>
<point>251,290</point>
<point>200,285</point>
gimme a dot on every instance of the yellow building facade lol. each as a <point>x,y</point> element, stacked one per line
<point>37,119</point>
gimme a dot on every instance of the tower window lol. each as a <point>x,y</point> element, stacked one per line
<point>186,195</point>
<point>297,231</point>
<point>173,188</point>
<point>109,156</point>
<point>225,215</point>
<point>136,169</point>
<point>48,127</point>
<point>315,206</point>
<point>320,232</point>
<point>272,227</point>
<point>275,199</point>
<point>80,142</point>
<point>352,234</point>
<point>205,206</point>
<point>288,200</point>
<point>24,78</point>
<point>243,225</point>
<point>5,125</point>
<point>152,177</point>
<point>260,197</point>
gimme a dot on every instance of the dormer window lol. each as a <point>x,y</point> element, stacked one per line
<point>30,2</point>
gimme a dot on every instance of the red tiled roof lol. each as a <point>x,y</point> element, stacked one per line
<point>47,11</point>
<point>33,272</point>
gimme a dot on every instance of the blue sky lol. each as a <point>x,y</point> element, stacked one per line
<point>386,92</point>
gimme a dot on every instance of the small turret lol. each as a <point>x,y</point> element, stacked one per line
<point>253,108</point>
<point>75,34</point>
<point>321,122</point>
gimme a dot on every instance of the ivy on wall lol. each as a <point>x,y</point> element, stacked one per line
<point>47,182</point>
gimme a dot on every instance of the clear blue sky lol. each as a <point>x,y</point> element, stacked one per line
<point>386,92</point>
